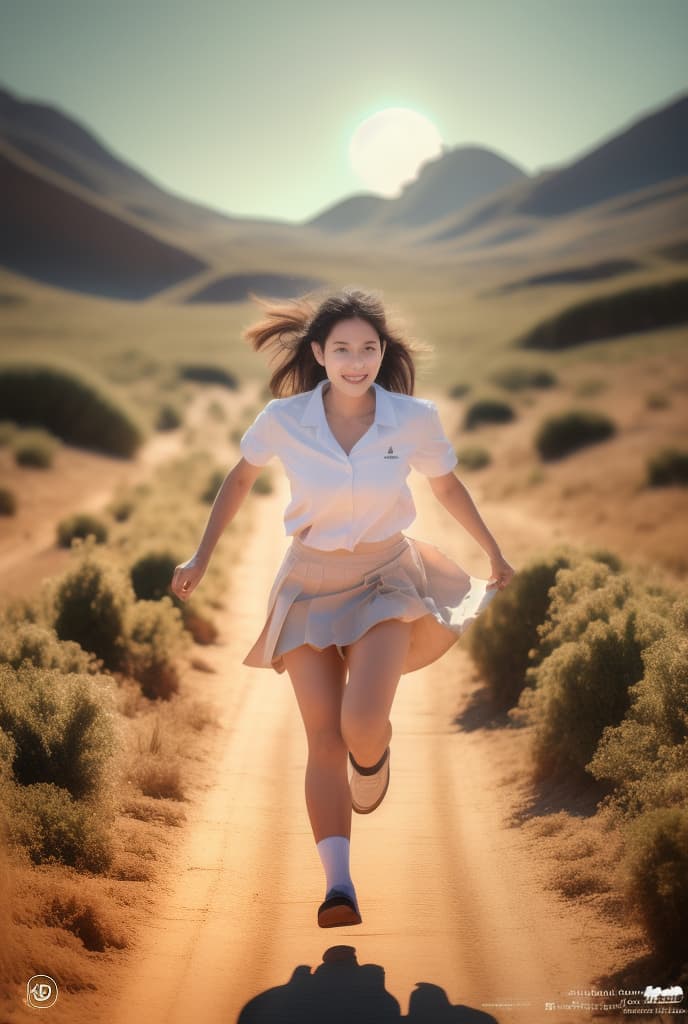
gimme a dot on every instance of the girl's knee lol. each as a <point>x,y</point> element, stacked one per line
<point>358,722</point>
<point>326,743</point>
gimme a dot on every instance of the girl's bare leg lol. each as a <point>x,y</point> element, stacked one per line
<point>318,679</point>
<point>375,663</point>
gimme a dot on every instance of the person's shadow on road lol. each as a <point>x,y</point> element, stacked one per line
<point>342,991</point>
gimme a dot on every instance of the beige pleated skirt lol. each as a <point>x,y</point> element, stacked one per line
<point>331,598</point>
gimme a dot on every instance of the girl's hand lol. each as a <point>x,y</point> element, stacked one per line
<point>186,578</point>
<point>502,572</point>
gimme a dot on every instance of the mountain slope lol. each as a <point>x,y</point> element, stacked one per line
<point>59,234</point>
<point>59,143</point>
<point>652,151</point>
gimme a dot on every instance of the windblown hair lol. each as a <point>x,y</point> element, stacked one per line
<point>288,328</point>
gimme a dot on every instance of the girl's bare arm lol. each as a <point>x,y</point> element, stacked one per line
<point>452,494</point>
<point>228,500</point>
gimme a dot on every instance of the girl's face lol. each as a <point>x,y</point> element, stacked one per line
<point>351,356</point>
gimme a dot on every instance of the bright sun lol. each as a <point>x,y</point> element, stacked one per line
<point>387,149</point>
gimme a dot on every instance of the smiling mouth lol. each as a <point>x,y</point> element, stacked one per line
<point>355,380</point>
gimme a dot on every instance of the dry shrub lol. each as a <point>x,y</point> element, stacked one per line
<point>8,502</point>
<point>62,728</point>
<point>27,641</point>
<point>155,638</point>
<point>505,638</point>
<point>81,524</point>
<point>74,405</point>
<point>567,432</point>
<point>53,827</point>
<point>80,910</point>
<point>36,448</point>
<point>487,410</point>
<point>58,742</point>
<point>656,867</point>
<point>646,755</point>
<point>91,600</point>
<point>95,605</point>
<point>591,643</point>
<point>669,467</point>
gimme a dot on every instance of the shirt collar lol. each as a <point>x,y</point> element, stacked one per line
<point>314,413</point>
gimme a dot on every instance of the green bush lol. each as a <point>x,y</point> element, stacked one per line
<point>646,755</point>
<point>656,868</point>
<point>590,651</point>
<point>207,374</point>
<point>581,687</point>
<point>81,524</point>
<point>568,432</point>
<point>8,502</point>
<point>589,589</point>
<point>55,828</point>
<point>28,641</point>
<point>91,599</point>
<point>634,309</point>
<point>487,410</point>
<point>169,417</point>
<point>151,575</point>
<point>155,637</point>
<point>62,727</point>
<point>95,605</point>
<point>501,639</point>
<point>516,378</point>
<point>670,466</point>
<point>37,608</point>
<point>74,406</point>
<point>473,457</point>
<point>34,448</point>
<point>657,773</point>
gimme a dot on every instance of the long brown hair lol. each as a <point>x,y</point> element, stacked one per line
<point>288,328</point>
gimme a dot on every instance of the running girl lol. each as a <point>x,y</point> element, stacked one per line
<point>356,603</point>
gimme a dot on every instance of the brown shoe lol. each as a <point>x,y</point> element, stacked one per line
<point>338,909</point>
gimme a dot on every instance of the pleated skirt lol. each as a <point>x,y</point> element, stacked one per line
<point>331,598</point>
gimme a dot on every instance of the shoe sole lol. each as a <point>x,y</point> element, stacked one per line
<point>337,916</point>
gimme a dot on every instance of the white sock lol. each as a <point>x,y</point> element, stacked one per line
<point>334,854</point>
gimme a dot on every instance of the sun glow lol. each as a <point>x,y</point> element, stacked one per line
<point>387,148</point>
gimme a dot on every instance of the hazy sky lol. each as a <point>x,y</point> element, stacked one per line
<point>249,105</point>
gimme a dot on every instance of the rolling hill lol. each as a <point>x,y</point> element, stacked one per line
<point>79,218</point>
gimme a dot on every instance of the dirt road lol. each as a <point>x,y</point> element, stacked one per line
<point>457,923</point>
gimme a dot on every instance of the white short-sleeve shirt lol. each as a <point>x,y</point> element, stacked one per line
<point>339,500</point>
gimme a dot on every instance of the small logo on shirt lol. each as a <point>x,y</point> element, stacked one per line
<point>390,453</point>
